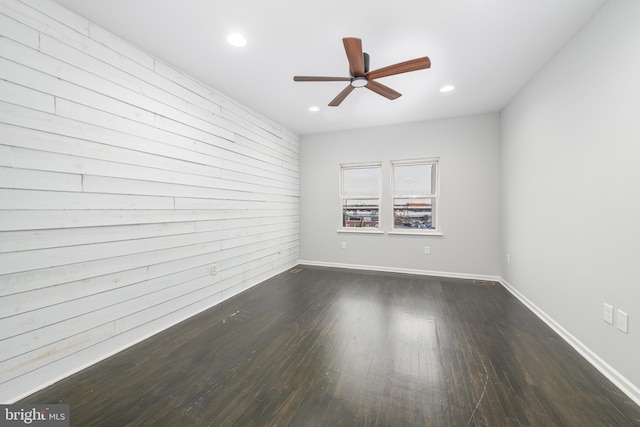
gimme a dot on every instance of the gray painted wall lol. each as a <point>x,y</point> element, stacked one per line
<point>570,176</point>
<point>469,185</point>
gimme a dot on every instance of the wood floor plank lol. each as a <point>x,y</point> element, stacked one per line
<point>335,347</point>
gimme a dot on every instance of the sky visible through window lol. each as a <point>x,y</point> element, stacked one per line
<point>408,180</point>
<point>412,180</point>
<point>359,182</point>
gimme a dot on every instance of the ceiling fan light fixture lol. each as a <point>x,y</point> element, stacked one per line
<point>359,82</point>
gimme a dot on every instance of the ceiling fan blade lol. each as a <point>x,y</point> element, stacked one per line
<point>353,48</point>
<point>401,67</point>
<point>383,90</point>
<point>320,79</point>
<point>341,96</point>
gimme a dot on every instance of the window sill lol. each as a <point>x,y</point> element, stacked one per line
<point>363,230</point>
<point>416,232</point>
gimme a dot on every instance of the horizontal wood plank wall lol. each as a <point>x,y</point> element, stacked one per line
<point>131,195</point>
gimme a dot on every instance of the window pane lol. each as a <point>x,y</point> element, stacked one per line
<point>413,179</point>
<point>360,182</point>
<point>414,213</point>
<point>360,213</point>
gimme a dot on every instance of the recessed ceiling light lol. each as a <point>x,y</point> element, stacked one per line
<point>447,88</point>
<point>236,39</point>
<point>314,108</point>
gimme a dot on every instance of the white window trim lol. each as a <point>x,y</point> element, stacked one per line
<point>366,230</point>
<point>369,230</point>
<point>417,231</point>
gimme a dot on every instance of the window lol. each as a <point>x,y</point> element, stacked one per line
<point>360,196</point>
<point>415,195</point>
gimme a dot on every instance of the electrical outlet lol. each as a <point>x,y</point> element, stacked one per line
<point>344,245</point>
<point>427,250</point>
<point>622,322</point>
<point>607,314</point>
<point>508,258</point>
<point>213,269</point>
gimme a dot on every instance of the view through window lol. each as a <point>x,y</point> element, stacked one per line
<point>415,194</point>
<point>361,196</point>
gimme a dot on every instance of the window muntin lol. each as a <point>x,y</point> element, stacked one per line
<point>415,195</point>
<point>360,195</point>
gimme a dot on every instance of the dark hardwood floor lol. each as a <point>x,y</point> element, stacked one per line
<point>334,347</point>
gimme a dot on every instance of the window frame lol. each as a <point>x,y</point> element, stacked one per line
<point>435,196</point>
<point>376,197</point>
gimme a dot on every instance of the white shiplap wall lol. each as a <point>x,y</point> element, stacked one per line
<point>131,196</point>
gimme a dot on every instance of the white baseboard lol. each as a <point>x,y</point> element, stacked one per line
<point>402,270</point>
<point>626,386</point>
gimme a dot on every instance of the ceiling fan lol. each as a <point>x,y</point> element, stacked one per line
<point>362,77</point>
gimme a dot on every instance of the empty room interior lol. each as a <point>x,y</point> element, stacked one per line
<point>251,213</point>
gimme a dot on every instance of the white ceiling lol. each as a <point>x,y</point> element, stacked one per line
<point>488,49</point>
